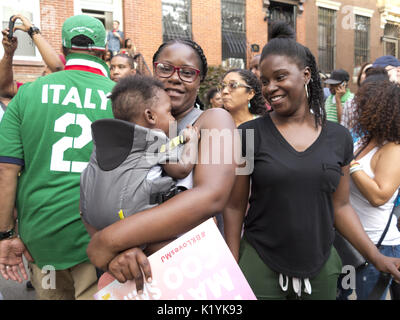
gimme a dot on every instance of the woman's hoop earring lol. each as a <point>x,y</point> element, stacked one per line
<point>306,88</point>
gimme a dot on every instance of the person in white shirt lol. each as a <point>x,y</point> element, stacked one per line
<point>375,173</point>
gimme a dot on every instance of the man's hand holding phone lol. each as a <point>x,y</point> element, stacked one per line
<point>26,24</point>
<point>9,44</point>
<point>340,90</point>
<point>11,23</point>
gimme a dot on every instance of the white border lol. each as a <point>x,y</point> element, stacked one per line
<point>389,14</point>
<point>328,4</point>
<point>89,63</point>
<point>363,12</point>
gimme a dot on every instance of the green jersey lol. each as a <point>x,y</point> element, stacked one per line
<point>47,130</point>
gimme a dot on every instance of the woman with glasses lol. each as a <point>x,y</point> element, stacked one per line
<point>241,95</point>
<point>299,185</point>
<point>181,66</point>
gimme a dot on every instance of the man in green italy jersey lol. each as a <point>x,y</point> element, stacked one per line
<point>45,143</point>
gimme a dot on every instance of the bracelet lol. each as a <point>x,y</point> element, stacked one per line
<point>353,163</point>
<point>7,234</point>
<point>355,167</point>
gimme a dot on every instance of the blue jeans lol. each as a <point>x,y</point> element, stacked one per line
<point>367,277</point>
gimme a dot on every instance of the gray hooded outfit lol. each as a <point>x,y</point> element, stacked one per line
<point>116,177</point>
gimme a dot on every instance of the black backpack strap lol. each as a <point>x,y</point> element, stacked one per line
<point>360,150</point>
<point>384,278</point>
<point>388,223</point>
<point>160,197</point>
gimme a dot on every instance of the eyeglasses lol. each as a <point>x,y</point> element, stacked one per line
<point>232,86</point>
<point>166,70</point>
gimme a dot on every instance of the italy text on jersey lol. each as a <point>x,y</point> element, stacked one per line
<point>52,93</point>
<point>73,96</point>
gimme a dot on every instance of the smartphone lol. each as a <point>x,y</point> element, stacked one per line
<point>11,27</point>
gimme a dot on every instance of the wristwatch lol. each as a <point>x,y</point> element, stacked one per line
<point>7,234</point>
<point>33,30</point>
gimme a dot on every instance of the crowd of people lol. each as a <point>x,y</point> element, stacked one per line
<point>320,164</point>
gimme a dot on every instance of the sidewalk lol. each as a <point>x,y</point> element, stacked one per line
<point>12,290</point>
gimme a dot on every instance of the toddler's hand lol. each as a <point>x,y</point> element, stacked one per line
<point>191,134</point>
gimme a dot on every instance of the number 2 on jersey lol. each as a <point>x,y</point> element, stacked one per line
<point>57,155</point>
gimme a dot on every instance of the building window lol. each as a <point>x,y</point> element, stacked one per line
<point>326,39</point>
<point>26,49</point>
<point>391,39</point>
<point>106,18</point>
<point>279,11</point>
<point>177,19</point>
<point>233,15</point>
<point>361,40</point>
<point>104,10</point>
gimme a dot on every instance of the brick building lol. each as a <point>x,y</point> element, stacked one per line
<point>345,34</point>
<point>147,23</point>
<point>341,34</point>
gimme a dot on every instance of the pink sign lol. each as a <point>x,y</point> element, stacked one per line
<point>196,266</point>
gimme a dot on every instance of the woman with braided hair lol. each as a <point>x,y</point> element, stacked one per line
<point>241,95</point>
<point>181,66</point>
<point>181,96</point>
<point>299,185</point>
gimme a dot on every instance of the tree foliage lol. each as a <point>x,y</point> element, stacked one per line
<point>213,79</point>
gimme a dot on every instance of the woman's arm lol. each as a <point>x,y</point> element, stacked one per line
<point>349,225</point>
<point>380,189</point>
<point>213,181</point>
<point>90,229</point>
<point>234,213</point>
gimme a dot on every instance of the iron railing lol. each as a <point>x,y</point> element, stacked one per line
<point>233,16</point>
<point>361,40</point>
<point>177,19</point>
<point>326,39</point>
